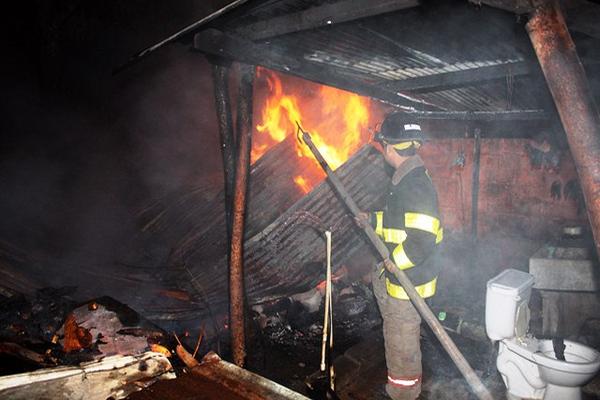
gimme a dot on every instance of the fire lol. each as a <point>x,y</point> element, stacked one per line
<point>301,182</point>
<point>338,122</point>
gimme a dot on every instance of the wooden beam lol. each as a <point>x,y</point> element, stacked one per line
<point>449,80</point>
<point>215,42</point>
<point>323,15</point>
<point>111,377</point>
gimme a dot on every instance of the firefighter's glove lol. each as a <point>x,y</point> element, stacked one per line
<point>362,220</point>
<point>389,265</point>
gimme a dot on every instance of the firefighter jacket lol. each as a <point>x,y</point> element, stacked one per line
<point>411,229</point>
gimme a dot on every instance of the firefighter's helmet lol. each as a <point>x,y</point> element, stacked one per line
<point>401,130</point>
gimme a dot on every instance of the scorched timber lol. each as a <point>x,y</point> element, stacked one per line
<point>287,255</point>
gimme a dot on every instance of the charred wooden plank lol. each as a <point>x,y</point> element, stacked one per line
<point>111,377</point>
<point>225,120</point>
<point>234,381</point>
<point>236,264</point>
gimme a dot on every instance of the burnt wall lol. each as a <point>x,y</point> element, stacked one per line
<point>515,198</point>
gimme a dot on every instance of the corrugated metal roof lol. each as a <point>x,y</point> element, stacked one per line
<point>283,242</point>
<point>419,42</point>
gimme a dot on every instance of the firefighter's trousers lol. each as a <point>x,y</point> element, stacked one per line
<point>401,333</point>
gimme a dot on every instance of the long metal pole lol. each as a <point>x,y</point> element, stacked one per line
<point>571,93</point>
<point>236,255</point>
<point>463,365</point>
<point>225,120</point>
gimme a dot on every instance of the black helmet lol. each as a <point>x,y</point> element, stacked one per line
<point>398,128</point>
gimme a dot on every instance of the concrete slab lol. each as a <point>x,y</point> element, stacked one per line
<point>564,268</point>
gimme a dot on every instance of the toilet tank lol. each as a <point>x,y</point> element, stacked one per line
<point>506,301</point>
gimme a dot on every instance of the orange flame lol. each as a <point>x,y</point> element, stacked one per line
<point>301,182</point>
<point>337,120</point>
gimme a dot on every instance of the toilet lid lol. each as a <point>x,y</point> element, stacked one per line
<point>522,320</point>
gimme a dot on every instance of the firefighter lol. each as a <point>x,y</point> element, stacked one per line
<point>411,229</point>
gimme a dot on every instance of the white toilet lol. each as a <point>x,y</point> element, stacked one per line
<point>529,366</point>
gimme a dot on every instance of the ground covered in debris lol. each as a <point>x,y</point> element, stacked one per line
<point>288,352</point>
<point>287,348</point>
<point>284,336</point>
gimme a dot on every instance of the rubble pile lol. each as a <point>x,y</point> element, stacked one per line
<point>73,347</point>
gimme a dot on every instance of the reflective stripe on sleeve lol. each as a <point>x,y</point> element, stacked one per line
<point>379,223</point>
<point>440,236</point>
<point>401,259</point>
<point>425,290</point>
<point>422,222</point>
<point>404,382</point>
<point>395,236</point>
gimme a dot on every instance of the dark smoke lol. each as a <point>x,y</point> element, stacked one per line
<point>83,151</point>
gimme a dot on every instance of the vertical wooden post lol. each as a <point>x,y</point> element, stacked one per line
<point>225,120</point>
<point>236,255</point>
<point>568,84</point>
<point>475,182</point>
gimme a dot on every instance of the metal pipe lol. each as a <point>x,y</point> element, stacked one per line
<point>225,121</point>
<point>475,185</point>
<point>236,256</point>
<point>568,84</point>
<point>459,360</point>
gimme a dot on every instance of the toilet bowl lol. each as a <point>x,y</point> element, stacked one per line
<point>529,366</point>
<point>565,378</point>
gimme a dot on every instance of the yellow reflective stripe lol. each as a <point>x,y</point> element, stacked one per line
<point>440,236</point>
<point>395,236</point>
<point>422,222</point>
<point>379,224</point>
<point>425,290</point>
<point>406,145</point>
<point>401,259</point>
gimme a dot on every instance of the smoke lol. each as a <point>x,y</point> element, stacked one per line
<point>82,151</point>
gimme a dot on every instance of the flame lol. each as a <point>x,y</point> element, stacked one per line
<point>301,182</point>
<point>157,348</point>
<point>337,120</point>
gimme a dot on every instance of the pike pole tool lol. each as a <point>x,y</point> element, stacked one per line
<point>446,341</point>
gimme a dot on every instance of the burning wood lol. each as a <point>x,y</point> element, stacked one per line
<point>76,337</point>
